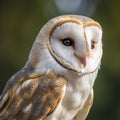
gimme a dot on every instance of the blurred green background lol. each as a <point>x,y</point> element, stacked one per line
<point>20,22</point>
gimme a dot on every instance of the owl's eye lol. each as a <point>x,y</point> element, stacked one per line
<point>67,42</point>
<point>92,44</point>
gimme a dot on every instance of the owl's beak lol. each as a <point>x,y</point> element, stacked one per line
<point>83,60</point>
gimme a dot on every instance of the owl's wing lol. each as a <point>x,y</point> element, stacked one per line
<point>32,99</point>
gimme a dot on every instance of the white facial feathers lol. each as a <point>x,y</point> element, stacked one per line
<point>93,33</point>
<point>80,55</point>
<point>84,41</point>
<point>72,31</point>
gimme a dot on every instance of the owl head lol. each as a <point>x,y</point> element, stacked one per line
<point>67,43</point>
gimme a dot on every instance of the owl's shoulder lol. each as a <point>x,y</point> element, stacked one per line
<point>39,93</point>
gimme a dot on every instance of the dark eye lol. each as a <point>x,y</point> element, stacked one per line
<point>92,44</point>
<point>67,42</point>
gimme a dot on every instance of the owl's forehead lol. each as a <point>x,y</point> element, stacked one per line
<point>83,20</point>
<point>72,29</point>
<point>68,29</point>
<point>69,21</point>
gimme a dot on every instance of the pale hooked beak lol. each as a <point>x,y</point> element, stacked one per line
<point>83,61</point>
<point>83,53</point>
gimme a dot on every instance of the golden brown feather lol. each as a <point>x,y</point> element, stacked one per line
<point>33,99</point>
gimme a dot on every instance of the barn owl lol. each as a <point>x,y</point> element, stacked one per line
<point>57,81</point>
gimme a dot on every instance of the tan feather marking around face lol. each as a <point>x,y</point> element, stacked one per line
<point>92,23</point>
<point>63,22</point>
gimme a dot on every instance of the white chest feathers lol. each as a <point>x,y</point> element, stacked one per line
<point>76,94</point>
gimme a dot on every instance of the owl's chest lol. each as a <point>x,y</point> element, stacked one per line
<point>73,100</point>
<point>75,97</point>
